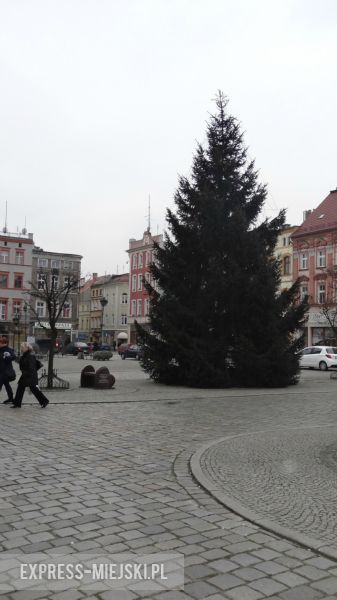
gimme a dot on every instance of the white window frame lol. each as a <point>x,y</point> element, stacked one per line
<point>134,283</point>
<point>304,293</point>
<point>4,257</point>
<point>42,262</point>
<point>147,306</point>
<point>134,260</point>
<point>66,310</point>
<point>55,281</point>
<point>133,308</point>
<point>19,258</point>
<point>140,282</point>
<point>321,259</point>
<point>139,307</point>
<point>3,310</point>
<point>321,291</point>
<point>55,263</point>
<point>304,261</point>
<point>124,298</point>
<point>124,319</point>
<point>140,260</point>
<point>40,308</point>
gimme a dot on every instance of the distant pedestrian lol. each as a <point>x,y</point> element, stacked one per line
<point>114,345</point>
<point>7,373</point>
<point>28,367</point>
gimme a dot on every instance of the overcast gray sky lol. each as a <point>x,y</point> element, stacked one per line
<point>102,102</point>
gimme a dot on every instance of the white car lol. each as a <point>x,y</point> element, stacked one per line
<point>319,357</point>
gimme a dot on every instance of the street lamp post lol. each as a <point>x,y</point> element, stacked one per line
<point>16,321</point>
<point>25,308</point>
<point>103,302</point>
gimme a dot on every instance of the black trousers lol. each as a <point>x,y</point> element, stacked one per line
<point>34,389</point>
<point>4,381</point>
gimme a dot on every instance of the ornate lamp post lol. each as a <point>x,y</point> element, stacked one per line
<point>16,322</point>
<point>25,308</point>
<point>103,302</point>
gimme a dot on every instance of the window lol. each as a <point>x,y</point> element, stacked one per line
<point>124,298</point>
<point>42,262</point>
<point>66,310</point>
<point>147,306</point>
<point>124,319</point>
<point>40,309</point>
<point>303,292</point>
<point>4,256</point>
<point>286,265</point>
<point>140,282</point>
<point>18,281</point>
<point>140,259</point>
<point>321,293</point>
<point>55,264</point>
<point>321,258</point>
<point>66,281</point>
<point>147,258</point>
<point>41,281</point>
<point>133,308</point>
<point>67,264</point>
<point>134,283</point>
<point>16,307</point>
<point>148,277</point>
<point>139,308</point>
<point>3,280</point>
<point>55,282</point>
<point>304,261</point>
<point>134,261</point>
<point>3,310</point>
<point>19,258</point>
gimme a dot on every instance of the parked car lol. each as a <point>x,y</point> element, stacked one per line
<point>319,357</point>
<point>104,347</point>
<point>132,351</point>
<point>121,348</point>
<point>75,347</point>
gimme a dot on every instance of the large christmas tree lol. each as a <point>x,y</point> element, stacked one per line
<point>217,316</point>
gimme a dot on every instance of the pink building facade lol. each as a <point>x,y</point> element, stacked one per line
<point>315,264</point>
<point>140,257</point>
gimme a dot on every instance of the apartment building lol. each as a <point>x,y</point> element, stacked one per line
<point>284,252</point>
<point>56,267</point>
<point>16,250</point>
<point>315,264</point>
<point>141,255</point>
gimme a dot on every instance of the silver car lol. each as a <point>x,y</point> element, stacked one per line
<point>319,357</point>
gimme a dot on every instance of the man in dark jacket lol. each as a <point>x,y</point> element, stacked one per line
<point>7,373</point>
<point>28,377</point>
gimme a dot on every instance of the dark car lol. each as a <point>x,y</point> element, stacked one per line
<point>132,351</point>
<point>104,347</point>
<point>75,347</point>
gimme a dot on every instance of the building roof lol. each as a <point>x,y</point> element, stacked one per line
<point>103,279</point>
<point>122,278</point>
<point>322,218</point>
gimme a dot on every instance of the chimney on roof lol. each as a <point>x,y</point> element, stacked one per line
<point>94,276</point>
<point>306,213</point>
<point>333,191</point>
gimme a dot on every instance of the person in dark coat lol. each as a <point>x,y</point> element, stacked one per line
<point>28,377</point>
<point>7,373</point>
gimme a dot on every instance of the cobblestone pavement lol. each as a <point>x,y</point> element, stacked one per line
<point>108,472</point>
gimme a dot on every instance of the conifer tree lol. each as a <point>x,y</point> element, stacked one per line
<point>217,317</point>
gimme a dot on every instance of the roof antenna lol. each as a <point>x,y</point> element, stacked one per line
<point>149,215</point>
<point>5,228</point>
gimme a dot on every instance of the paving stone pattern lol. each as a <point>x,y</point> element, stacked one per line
<point>108,472</point>
<point>287,476</point>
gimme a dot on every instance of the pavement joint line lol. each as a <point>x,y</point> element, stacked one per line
<point>318,546</point>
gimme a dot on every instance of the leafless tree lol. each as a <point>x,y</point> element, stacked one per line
<point>56,297</point>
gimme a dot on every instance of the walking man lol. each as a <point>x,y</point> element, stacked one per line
<point>28,377</point>
<point>7,373</point>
